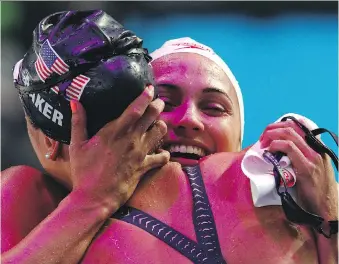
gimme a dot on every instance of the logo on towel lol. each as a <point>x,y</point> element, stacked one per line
<point>288,176</point>
<point>48,62</point>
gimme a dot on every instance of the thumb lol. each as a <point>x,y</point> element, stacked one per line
<point>156,160</point>
<point>78,126</point>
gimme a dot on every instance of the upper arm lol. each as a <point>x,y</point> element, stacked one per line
<point>25,202</point>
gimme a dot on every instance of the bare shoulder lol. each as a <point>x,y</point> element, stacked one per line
<point>214,167</point>
<point>19,176</point>
<point>27,197</point>
<point>26,179</point>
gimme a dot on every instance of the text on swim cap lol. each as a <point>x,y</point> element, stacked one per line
<point>46,109</point>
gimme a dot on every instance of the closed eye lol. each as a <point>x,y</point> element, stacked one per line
<point>169,105</point>
<point>214,109</point>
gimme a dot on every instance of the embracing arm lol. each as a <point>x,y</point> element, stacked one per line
<point>105,171</point>
<point>328,247</point>
<point>62,237</point>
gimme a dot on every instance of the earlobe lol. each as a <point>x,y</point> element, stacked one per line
<point>53,148</point>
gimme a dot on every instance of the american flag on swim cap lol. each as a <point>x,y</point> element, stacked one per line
<point>48,62</point>
<point>76,87</point>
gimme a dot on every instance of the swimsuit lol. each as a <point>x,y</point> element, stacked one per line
<point>207,248</point>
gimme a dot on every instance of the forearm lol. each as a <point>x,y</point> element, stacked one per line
<point>328,247</point>
<point>63,236</point>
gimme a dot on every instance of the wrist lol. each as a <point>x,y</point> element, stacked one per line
<point>328,205</point>
<point>88,202</point>
<point>327,229</point>
<point>329,212</point>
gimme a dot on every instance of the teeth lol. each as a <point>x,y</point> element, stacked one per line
<point>183,149</point>
<point>196,151</point>
<point>187,149</point>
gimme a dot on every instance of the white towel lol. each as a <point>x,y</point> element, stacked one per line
<point>260,172</point>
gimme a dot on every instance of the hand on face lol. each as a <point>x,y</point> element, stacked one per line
<point>107,168</point>
<point>316,185</point>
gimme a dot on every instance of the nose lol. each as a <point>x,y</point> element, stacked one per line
<point>187,120</point>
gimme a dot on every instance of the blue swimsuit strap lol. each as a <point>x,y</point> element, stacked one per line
<point>171,237</point>
<point>207,250</point>
<point>203,219</point>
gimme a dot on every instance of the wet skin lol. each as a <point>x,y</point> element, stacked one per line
<point>246,233</point>
<point>202,110</point>
<point>196,115</point>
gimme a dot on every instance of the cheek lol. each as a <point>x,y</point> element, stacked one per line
<point>170,117</point>
<point>163,117</point>
<point>223,136</point>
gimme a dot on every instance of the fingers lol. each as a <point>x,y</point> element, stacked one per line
<point>285,124</point>
<point>78,123</point>
<point>151,114</point>
<point>135,110</point>
<point>287,134</point>
<point>288,147</point>
<point>299,162</point>
<point>156,160</point>
<point>152,137</point>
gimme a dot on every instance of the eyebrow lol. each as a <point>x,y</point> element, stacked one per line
<point>206,90</point>
<point>217,90</point>
<point>169,86</point>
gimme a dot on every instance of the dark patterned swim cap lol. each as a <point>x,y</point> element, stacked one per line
<point>85,56</point>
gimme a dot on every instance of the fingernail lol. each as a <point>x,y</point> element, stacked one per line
<point>263,144</point>
<point>149,89</point>
<point>73,106</point>
<point>260,138</point>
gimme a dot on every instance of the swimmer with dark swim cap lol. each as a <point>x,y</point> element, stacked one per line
<point>91,109</point>
<point>204,213</point>
<point>87,57</point>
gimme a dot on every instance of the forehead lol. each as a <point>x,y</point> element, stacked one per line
<point>187,69</point>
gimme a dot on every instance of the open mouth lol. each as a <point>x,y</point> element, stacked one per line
<point>186,152</point>
<point>185,155</point>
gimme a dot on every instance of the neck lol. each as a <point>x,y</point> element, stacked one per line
<point>161,188</point>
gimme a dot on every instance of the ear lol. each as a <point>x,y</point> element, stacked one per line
<point>53,148</point>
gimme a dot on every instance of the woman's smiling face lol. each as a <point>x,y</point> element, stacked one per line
<point>201,107</point>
